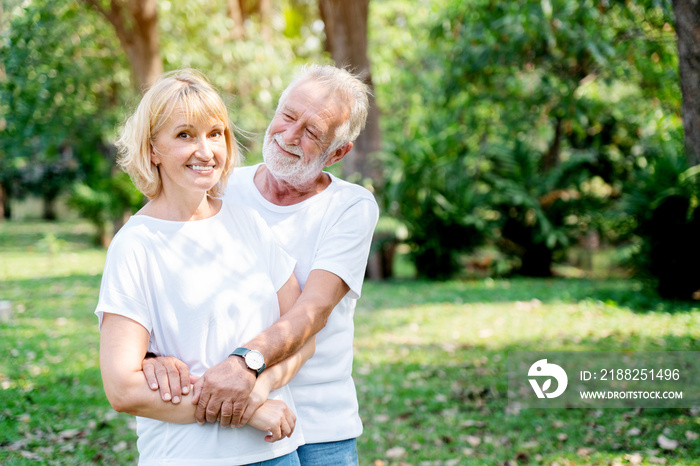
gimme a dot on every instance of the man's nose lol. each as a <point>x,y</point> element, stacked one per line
<point>292,134</point>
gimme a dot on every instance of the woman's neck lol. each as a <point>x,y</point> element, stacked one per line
<point>177,209</point>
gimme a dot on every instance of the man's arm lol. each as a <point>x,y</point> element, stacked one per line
<point>230,382</point>
<point>322,292</point>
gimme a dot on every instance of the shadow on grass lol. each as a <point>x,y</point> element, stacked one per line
<point>619,292</point>
<point>442,403</point>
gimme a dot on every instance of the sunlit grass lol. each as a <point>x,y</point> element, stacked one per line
<point>430,365</point>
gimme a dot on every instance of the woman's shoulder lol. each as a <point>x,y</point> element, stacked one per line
<point>133,235</point>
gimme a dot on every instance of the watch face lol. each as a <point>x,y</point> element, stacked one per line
<point>254,360</point>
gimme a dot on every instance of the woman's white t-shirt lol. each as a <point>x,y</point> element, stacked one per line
<point>201,288</point>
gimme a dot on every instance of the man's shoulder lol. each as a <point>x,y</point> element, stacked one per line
<point>351,191</point>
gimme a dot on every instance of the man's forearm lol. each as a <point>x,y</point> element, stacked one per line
<point>322,292</point>
<point>289,333</point>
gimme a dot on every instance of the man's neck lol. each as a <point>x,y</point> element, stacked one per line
<point>281,193</point>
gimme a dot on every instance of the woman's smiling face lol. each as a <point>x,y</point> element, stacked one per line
<point>190,153</point>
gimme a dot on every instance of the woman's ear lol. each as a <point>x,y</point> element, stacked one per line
<point>155,159</point>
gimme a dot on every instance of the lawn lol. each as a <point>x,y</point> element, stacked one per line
<point>430,367</point>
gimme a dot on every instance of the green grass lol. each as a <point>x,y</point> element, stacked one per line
<point>430,365</point>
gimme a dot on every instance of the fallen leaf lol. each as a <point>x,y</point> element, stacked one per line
<point>562,437</point>
<point>69,434</point>
<point>690,435</point>
<point>395,452</point>
<point>473,440</point>
<point>634,458</point>
<point>29,455</point>
<point>121,446</point>
<point>666,443</point>
<point>378,463</point>
<point>633,432</point>
<point>473,423</point>
<point>655,460</point>
<point>584,451</point>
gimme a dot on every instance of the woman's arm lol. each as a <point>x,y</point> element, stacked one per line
<point>123,342</point>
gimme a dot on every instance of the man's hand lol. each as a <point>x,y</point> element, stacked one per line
<point>168,374</point>
<point>276,417</point>
<point>222,392</point>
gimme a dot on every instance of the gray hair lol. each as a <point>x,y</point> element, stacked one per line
<point>347,87</point>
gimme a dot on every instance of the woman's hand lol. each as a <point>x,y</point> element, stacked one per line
<point>169,375</point>
<point>259,395</point>
<point>276,417</point>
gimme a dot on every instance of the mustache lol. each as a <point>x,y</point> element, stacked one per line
<point>296,150</point>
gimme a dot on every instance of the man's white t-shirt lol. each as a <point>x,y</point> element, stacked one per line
<point>330,231</point>
<point>201,288</point>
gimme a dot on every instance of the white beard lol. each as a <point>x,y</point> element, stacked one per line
<point>290,169</point>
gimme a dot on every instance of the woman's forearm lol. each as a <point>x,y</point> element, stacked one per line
<point>283,372</point>
<point>123,342</point>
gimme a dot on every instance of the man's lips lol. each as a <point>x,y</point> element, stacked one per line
<point>286,152</point>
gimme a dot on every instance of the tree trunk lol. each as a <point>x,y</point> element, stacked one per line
<point>4,204</point>
<point>235,13</point>
<point>265,10</point>
<point>551,157</point>
<point>687,14</point>
<point>136,25</point>
<point>49,207</point>
<point>346,40</point>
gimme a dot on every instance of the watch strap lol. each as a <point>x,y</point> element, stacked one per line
<point>242,352</point>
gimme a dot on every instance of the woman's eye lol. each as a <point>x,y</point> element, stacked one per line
<point>183,135</point>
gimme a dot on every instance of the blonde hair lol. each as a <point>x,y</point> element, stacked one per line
<point>187,89</point>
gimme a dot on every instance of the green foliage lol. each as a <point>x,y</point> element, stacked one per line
<point>587,85</point>
<point>61,97</point>
<point>665,203</point>
<point>541,212</point>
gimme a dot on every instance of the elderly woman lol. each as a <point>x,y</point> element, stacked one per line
<point>192,276</point>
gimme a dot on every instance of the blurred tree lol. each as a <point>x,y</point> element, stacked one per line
<point>240,10</point>
<point>548,81</point>
<point>136,25</point>
<point>664,203</point>
<point>60,99</point>
<point>346,41</point>
<point>687,13</point>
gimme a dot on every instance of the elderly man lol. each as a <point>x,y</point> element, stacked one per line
<point>326,224</point>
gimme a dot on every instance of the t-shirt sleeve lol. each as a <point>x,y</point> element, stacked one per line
<point>122,289</point>
<point>344,248</point>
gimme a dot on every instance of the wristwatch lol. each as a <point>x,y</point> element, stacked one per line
<point>253,359</point>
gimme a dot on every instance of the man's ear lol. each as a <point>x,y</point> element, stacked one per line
<point>339,153</point>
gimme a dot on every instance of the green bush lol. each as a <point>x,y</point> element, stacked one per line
<point>664,202</point>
